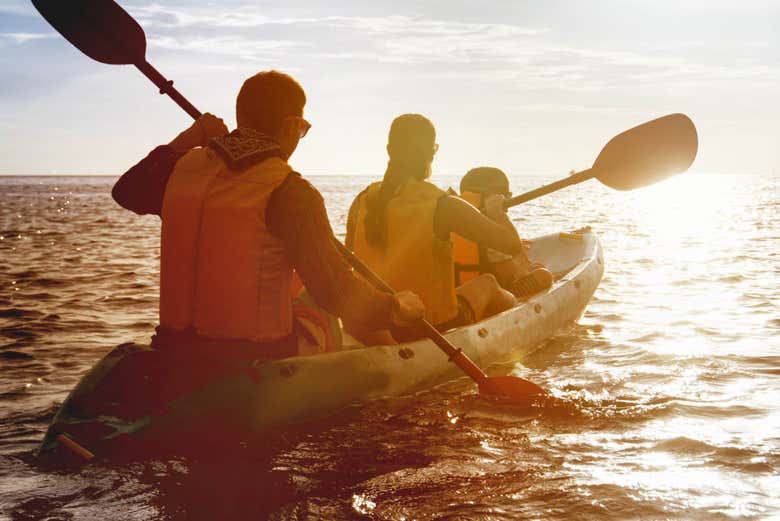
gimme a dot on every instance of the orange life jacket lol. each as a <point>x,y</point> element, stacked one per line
<point>467,255</point>
<point>221,270</point>
<point>413,257</point>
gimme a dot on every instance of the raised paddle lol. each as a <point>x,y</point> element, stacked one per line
<point>105,32</point>
<point>638,157</point>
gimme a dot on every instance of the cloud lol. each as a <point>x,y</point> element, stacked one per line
<point>21,38</point>
<point>163,17</point>
<point>17,7</point>
<point>158,16</point>
<point>224,45</point>
<point>528,57</point>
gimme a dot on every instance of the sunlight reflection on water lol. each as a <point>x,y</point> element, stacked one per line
<point>667,388</point>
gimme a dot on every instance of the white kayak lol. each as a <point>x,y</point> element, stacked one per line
<point>103,416</point>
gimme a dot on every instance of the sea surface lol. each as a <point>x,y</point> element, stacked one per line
<point>669,385</point>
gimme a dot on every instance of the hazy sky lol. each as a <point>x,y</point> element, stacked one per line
<point>531,87</point>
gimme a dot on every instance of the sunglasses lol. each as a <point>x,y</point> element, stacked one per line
<point>303,125</point>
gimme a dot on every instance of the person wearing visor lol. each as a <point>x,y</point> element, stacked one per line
<point>401,227</point>
<point>514,272</point>
<point>237,223</point>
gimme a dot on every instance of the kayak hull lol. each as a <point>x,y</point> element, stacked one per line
<point>265,394</point>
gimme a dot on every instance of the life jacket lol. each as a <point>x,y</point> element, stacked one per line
<point>467,255</point>
<point>413,258</point>
<point>321,331</point>
<point>222,273</point>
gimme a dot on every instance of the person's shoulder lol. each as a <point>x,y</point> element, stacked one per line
<point>452,203</point>
<point>195,157</point>
<point>298,188</point>
<point>369,191</point>
<point>371,188</point>
<point>296,178</point>
<point>432,189</point>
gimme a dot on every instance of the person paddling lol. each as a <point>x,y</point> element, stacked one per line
<point>514,272</point>
<point>401,228</point>
<point>236,221</point>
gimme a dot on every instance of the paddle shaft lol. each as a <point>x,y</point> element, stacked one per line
<point>455,354</point>
<point>552,187</point>
<point>166,87</point>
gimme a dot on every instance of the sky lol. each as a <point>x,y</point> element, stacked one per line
<point>532,87</point>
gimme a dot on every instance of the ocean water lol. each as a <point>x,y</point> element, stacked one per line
<point>669,384</point>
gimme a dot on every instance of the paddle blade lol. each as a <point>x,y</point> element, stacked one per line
<point>101,29</point>
<point>648,153</point>
<point>511,389</point>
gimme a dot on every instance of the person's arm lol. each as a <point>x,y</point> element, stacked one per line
<point>141,189</point>
<point>296,215</point>
<point>454,215</point>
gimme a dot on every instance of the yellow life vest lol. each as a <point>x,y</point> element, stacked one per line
<point>413,258</point>
<point>466,253</point>
<point>221,271</point>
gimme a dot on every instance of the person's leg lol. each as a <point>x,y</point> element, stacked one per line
<point>485,296</point>
<point>538,280</point>
<point>522,277</point>
<point>510,269</point>
<point>370,337</point>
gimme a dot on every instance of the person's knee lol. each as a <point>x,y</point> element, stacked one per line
<point>490,283</point>
<point>488,280</point>
<point>499,298</point>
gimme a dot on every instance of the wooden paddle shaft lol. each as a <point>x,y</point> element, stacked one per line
<point>552,187</point>
<point>455,354</point>
<point>166,87</point>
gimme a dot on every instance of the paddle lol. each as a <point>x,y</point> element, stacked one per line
<point>505,387</point>
<point>638,157</point>
<point>105,32</point>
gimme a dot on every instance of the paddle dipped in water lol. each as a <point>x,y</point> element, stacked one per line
<point>640,156</point>
<point>105,32</point>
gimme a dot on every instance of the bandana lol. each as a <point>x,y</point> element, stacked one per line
<point>245,147</point>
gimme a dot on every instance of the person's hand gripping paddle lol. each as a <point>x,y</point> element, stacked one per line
<point>105,32</point>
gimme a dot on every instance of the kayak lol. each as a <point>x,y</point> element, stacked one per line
<point>116,404</point>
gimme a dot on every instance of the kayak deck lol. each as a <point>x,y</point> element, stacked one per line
<point>266,393</point>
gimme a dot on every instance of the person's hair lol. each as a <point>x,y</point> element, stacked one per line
<point>266,98</point>
<point>485,180</point>
<point>411,146</point>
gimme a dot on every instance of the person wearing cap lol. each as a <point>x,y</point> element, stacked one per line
<point>514,272</point>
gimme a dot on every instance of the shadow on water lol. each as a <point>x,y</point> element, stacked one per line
<point>442,454</point>
<point>305,470</point>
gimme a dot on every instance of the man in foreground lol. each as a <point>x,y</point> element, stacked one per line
<point>236,221</point>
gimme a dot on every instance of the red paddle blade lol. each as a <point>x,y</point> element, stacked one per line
<point>101,29</point>
<point>511,388</point>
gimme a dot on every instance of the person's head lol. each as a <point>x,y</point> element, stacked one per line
<point>411,145</point>
<point>485,180</point>
<point>272,102</point>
